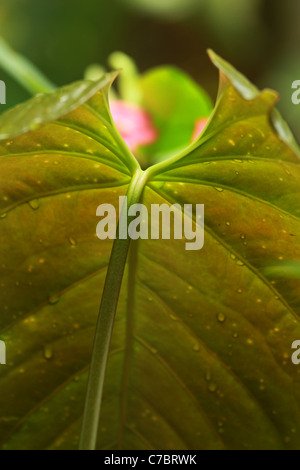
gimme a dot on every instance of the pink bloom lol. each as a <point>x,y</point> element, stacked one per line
<point>199,127</point>
<point>134,124</point>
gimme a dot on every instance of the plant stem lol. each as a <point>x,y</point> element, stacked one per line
<point>23,71</point>
<point>131,286</point>
<point>105,323</point>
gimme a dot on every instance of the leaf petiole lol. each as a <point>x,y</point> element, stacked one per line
<point>105,322</point>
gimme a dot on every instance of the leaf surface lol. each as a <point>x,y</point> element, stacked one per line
<point>200,355</point>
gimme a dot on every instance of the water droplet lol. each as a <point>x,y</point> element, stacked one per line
<point>235,334</point>
<point>228,224</point>
<point>3,216</point>
<point>240,291</point>
<point>240,263</point>
<point>221,317</point>
<point>212,387</point>
<point>220,190</point>
<point>243,236</point>
<point>232,256</point>
<point>196,347</point>
<point>48,352</point>
<point>208,376</point>
<point>72,241</point>
<point>34,204</point>
<point>54,300</point>
<point>173,318</point>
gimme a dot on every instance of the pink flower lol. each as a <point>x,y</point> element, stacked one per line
<point>134,124</point>
<point>199,127</point>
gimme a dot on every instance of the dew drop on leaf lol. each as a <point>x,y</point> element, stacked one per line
<point>34,204</point>
<point>212,387</point>
<point>72,241</point>
<point>221,317</point>
<point>48,352</point>
<point>208,376</point>
<point>54,300</point>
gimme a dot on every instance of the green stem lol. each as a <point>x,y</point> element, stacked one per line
<point>131,285</point>
<point>23,71</point>
<point>105,323</point>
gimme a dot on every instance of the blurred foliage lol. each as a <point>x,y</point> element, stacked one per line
<point>64,37</point>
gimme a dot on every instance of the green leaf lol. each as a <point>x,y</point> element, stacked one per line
<point>175,101</point>
<point>200,353</point>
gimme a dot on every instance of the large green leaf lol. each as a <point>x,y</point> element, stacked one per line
<point>200,355</point>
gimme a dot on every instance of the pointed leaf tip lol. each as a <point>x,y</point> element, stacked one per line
<point>249,91</point>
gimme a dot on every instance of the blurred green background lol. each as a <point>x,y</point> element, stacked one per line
<point>62,37</point>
